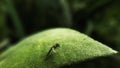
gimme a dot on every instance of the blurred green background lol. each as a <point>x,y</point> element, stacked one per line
<point>99,19</point>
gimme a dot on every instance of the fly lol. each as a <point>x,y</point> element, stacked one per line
<point>52,50</point>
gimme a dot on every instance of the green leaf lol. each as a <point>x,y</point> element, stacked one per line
<point>32,52</point>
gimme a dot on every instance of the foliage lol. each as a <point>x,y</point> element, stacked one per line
<point>109,20</point>
<point>98,19</point>
<point>32,51</point>
<point>3,29</point>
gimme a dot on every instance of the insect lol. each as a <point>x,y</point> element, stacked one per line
<point>52,50</point>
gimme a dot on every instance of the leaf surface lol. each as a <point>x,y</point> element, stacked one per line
<point>73,47</point>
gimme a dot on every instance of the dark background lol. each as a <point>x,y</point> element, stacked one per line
<point>99,19</point>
